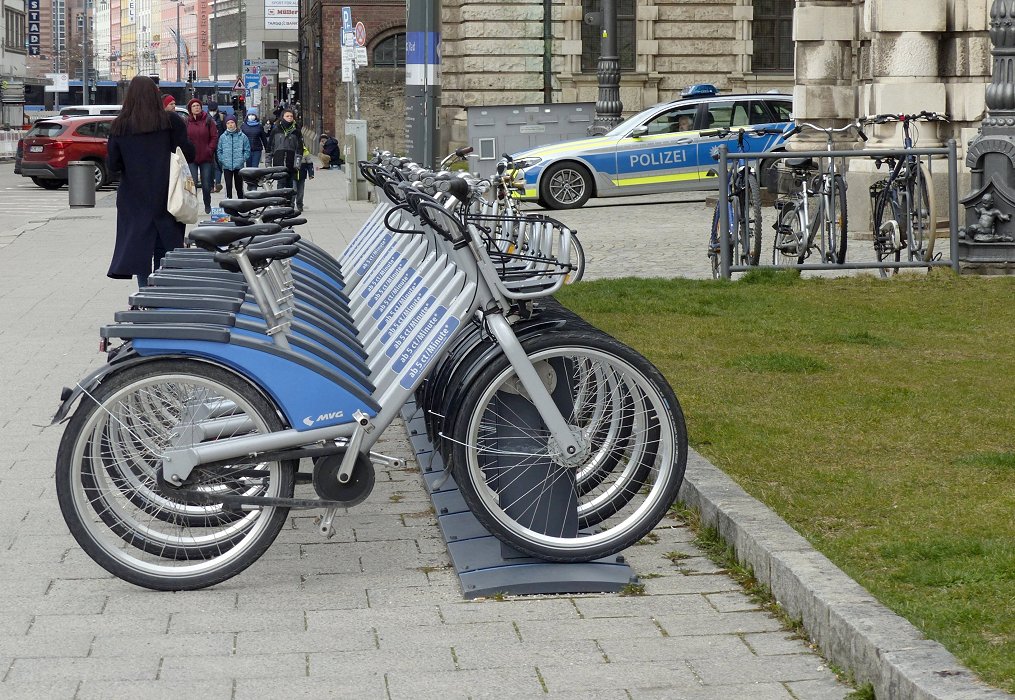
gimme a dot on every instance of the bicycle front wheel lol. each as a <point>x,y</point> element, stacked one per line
<point>748,222</point>
<point>577,260</point>
<point>531,496</point>
<point>107,476</point>
<point>789,243</point>
<point>886,228</point>
<point>714,251</point>
<point>836,233</point>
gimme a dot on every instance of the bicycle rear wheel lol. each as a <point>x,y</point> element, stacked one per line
<point>886,228</point>
<point>533,498</point>
<point>923,217</point>
<point>107,477</point>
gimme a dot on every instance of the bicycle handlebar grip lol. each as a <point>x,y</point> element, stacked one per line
<point>713,132</point>
<point>463,151</point>
<point>459,189</point>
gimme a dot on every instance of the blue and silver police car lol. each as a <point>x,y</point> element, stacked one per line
<point>658,150</point>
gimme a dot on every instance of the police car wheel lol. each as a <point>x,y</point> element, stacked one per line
<point>566,186</point>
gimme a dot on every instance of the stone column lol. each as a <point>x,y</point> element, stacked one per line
<point>824,31</point>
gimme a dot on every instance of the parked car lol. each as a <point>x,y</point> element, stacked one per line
<point>660,149</point>
<point>53,143</point>
<point>90,110</point>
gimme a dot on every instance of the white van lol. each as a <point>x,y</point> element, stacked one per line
<point>90,110</point>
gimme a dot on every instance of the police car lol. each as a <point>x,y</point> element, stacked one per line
<point>658,150</point>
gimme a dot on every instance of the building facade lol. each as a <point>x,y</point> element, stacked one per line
<point>13,52</point>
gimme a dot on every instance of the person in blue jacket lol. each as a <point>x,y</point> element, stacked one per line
<point>233,151</point>
<point>254,131</point>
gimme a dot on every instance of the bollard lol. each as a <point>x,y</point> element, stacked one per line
<point>81,183</point>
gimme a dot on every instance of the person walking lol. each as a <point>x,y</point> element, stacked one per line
<point>254,131</point>
<point>205,136</point>
<point>220,124</point>
<point>141,139</point>
<point>233,150</point>
<point>305,173</point>
<point>285,144</point>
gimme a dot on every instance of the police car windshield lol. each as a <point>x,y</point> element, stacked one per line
<point>625,126</point>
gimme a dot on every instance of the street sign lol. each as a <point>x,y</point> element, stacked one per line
<point>251,82</point>
<point>262,66</point>
<point>264,81</point>
<point>361,56</point>
<point>60,82</point>
<point>348,61</point>
<point>238,85</point>
<point>361,34</point>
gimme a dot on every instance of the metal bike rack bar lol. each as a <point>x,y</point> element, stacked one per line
<point>484,566</point>
<point>950,151</point>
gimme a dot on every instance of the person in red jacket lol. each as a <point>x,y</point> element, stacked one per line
<point>203,133</point>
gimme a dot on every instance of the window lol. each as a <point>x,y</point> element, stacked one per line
<point>783,110</point>
<point>773,36</point>
<point>390,53</point>
<point>592,36</point>
<point>672,121</point>
<point>14,24</point>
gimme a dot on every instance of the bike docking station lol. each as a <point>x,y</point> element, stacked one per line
<point>256,356</point>
<point>815,174</point>
<point>487,567</point>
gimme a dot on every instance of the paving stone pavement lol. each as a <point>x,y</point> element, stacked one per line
<point>374,612</point>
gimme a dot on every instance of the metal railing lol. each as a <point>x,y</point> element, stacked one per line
<point>9,143</point>
<point>949,151</point>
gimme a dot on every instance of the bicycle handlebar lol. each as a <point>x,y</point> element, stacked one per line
<point>923,116</point>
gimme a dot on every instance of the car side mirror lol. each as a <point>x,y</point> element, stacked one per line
<point>639,131</point>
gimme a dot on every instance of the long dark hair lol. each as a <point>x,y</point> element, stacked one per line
<point>142,110</point>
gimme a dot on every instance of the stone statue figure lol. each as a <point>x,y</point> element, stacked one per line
<point>983,230</point>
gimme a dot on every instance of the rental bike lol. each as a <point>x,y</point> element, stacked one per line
<point>258,355</point>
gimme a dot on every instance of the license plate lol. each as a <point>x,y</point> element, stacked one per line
<point>35,149</point>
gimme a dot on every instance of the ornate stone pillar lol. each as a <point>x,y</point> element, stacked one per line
<point>987,242</point>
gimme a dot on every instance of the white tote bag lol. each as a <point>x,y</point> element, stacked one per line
<point>183,202</point>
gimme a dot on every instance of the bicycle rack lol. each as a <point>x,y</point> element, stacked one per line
<point>949,151</point>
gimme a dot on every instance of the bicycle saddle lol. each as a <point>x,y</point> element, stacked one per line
<point>277,239</point>
<point>800,163</point>
<point>263,194</point>
<point>258,173</point>
<point>258,257</point>
<point>242,206</point>
<point>214,237</point>
<point>276,213</point>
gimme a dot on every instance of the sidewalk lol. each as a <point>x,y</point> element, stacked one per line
<point>372,613</point>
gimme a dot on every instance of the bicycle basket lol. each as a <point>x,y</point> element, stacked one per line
<point>530,254</point>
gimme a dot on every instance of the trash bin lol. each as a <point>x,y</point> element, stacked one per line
<point>81,183</point>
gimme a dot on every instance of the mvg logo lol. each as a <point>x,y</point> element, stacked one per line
<point>308,421</point>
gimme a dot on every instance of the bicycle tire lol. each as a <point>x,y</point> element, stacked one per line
<point>789,234</point>
<point>838,238</point>
<point>752,226</point>
<point>577,260</point>
<point>121,536</point>
<point>714,251</point>
<point>885,229</point>
<point>923,195</point>
<point>624,507</point>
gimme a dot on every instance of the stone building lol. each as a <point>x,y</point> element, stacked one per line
<point>839,58</point>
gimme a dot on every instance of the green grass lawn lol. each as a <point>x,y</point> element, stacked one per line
<point>877,417</point>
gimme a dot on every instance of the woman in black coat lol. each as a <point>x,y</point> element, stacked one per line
<point>141,139</point>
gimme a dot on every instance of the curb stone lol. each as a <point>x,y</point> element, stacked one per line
<point>850,626</point>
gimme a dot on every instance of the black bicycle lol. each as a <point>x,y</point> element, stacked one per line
<point>903,203</point>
